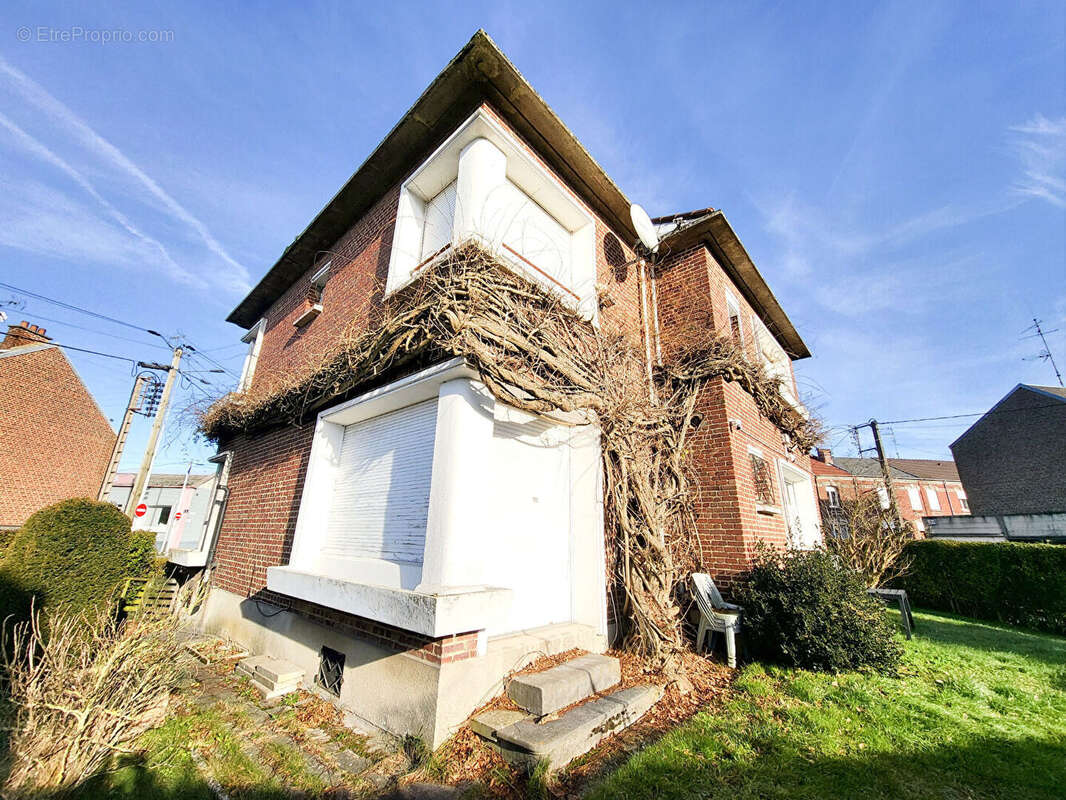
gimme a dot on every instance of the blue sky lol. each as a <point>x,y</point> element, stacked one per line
<point>897,171</point>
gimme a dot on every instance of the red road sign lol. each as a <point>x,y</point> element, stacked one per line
<point>178,515</point>
<point>140,510</point>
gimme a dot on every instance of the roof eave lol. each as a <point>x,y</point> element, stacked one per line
<point>479,73</point>
<point>716,232</point>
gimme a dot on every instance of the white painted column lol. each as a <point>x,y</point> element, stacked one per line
<point>458,526</point>
<point>482,170</point>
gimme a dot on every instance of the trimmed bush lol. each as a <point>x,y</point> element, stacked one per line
<point>1014,582</point>
<point>805,609</point>
<point>73,554</point>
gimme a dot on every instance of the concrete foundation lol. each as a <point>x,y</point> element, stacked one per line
<point>394,691</point>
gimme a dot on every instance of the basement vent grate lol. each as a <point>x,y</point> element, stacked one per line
<point>330,670</point>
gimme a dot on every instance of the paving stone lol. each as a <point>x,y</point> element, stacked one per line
<point>351,762</point>
<point>544,692</point>
<point>526,743</point>
<point>486,725</point>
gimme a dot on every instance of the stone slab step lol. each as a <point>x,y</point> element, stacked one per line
<point>546,692</point>
<point>485,725</point>
<point>275,670</point>
<point>247,666</point>
<point>271,691</point>
<point>526,743</point>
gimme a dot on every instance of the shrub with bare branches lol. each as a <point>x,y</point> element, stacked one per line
<point>870,538</point>
<point>81,693</point>
<point>535,353</point>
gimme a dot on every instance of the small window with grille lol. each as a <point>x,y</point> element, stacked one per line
<point>764,480</point>
<point>330,670</point>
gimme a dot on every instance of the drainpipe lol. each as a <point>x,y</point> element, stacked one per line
<point>647,335</point>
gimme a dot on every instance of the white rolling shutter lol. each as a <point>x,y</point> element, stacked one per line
<point>381,495</point>
<point>440,220</point>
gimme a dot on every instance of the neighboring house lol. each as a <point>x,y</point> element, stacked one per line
<point>55,442</point>
<point>922,487</point>
<point>1013,459</point>
<point>423,534</point>
<point>177,506</point>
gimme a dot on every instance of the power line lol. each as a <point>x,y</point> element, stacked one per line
<point>974,414</point>
<point>73,307</point>
<point>37,316</point>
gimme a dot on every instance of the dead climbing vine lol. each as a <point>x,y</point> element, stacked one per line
<point>536,354</point>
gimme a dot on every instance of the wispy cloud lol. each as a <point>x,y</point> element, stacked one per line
<point>63,121</point>
<point>37,149</point>
<point>1040,145</point>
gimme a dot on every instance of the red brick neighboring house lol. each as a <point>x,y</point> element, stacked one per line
<point>54,440</point>
<point>922,487</point>
<point>427,533</point>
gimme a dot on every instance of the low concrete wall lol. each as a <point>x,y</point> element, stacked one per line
<point>1007,527</point>
<point>394,691</point>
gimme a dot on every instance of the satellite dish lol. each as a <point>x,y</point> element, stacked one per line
<point>649,237</point>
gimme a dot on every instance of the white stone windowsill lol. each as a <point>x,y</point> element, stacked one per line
<point>187,558</point>
<point>457,611</point>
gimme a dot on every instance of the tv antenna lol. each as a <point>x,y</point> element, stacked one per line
<point>1045,354</point>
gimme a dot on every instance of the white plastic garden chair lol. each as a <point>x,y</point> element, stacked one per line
<point>716,615</point>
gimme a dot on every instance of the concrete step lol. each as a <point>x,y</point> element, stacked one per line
<point>485,725</point>
<point>272,691</point>
<point>273,677</point>
<point>546,692</point>
<point>526,743</point>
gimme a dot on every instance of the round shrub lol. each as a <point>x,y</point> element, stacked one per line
<point>73,554</point>
<point>805,609</point>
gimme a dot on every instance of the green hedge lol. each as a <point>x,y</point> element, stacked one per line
<point>75,553</point>
<point>1013,582</point>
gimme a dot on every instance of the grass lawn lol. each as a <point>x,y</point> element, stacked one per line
<point>978,712</point>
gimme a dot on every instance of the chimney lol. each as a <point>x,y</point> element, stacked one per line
<point>824,454</point>
<point>23,334</point>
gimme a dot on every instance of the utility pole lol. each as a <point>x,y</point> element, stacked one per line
<point>153,437</point>
<point>886,472</point>
<point>120,440</point>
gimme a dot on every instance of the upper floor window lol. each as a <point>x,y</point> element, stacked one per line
<point>833,496</point>
<point>915,498</point>
<point>933,498</point>
<point>773,357</point>
<point>254,339</point>
<point>962,499</point>
<point>733,308</point>
<point>315,291</point>
<point>882,496</point>
<point>483,185</point>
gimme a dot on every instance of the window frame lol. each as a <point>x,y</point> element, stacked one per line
<point>832,496</point>
<point>915,495</point>
<point>932,499</point>
<point>254,339</point>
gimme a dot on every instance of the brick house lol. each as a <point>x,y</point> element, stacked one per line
<point>54,440</point>
<point>424,532</point>
<point>1013,459</point>
<point>922,487</point>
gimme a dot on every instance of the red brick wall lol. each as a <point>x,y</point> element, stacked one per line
<point>692,299</point>
<point>849,487</point>
<point>54,441</point>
